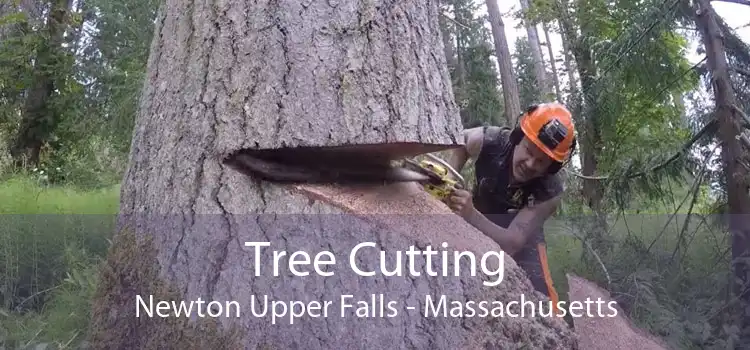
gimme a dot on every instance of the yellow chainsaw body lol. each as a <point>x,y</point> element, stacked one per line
<point>442,188</point>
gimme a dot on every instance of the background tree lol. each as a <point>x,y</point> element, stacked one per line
<point>475,84</point>
<point>552,63</point>
<point>502,53</point>
<point>530,91</point>
<point>535,48</point>
<point>729,118</point>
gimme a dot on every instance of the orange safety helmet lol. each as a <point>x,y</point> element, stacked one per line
<point>550,127</point>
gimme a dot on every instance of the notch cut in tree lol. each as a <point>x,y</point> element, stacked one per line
<point>235,77</point>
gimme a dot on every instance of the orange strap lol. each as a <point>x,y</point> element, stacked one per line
<point>542,248</point>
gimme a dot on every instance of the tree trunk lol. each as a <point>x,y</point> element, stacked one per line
<point>589,141</point>
<point>295,74</point>
<point>572,81</point>
<point>553,64</point>
<point>460,46</point>
<point>448,47</point>
<point>38,119</point>
<point>540,72</point>
<point>732,155</point>
<point>589,138</point>
<point>507,77</point>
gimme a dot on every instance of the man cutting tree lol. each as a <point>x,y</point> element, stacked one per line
<point>517,186</point>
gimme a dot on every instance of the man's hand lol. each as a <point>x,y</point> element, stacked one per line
<point>460,202</point>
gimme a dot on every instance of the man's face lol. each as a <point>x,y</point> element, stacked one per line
<point>529,161</point>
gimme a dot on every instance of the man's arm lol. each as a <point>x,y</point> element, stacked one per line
<point>473,139</point>
<point>526,223</point>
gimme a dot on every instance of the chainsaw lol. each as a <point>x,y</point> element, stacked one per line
<point>332,165</point>
<point>442,180</point>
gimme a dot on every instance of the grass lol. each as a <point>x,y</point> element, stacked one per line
<point>54,237</point>
<point>21,195</point>
<point>51,241</point>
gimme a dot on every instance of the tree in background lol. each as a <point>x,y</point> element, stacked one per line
<point>475,83</point>
<point>730,123</point>
<point>69,112</point>
<point>529,90</point>
<point>502,54</point>
<point>535,49</point>
<point>42,91</point>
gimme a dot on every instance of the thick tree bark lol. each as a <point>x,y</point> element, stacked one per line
<point>294,74</point>
<point>540,72</point>
<point>732,155</point>
<point>507,77</point>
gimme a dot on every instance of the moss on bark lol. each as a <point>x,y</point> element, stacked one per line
<point>131,269</point>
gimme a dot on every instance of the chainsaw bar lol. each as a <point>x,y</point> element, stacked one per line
<point>322,169</point>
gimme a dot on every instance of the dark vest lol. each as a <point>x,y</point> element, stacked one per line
<point>492,194</point>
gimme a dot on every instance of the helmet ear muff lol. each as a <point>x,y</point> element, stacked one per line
<point>516,135</point>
